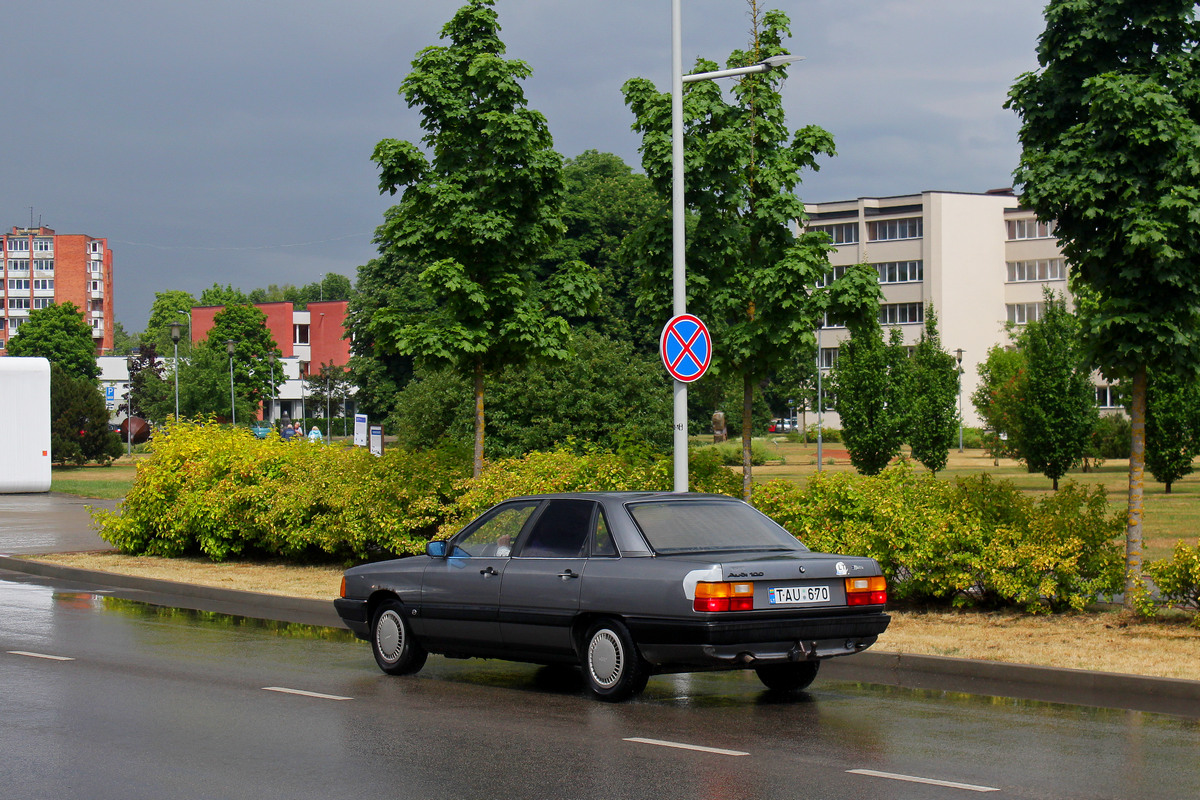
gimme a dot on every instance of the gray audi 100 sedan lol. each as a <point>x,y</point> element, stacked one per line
<point>624,584</point>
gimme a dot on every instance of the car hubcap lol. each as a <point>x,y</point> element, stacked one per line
<point>605,658</point>
<point>389,635</point>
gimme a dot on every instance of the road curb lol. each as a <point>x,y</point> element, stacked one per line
<point>927,673</point>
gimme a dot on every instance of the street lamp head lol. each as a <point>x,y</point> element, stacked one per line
<point>774,62</point>
<point>230,344</point>
<point>175,331</point>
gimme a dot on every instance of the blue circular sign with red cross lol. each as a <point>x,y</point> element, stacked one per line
<point>686,348</point>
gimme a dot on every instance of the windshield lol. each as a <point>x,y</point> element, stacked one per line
<point>701,525</point>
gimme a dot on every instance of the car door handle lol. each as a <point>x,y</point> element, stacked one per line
<point>567,575</point>
<point>488,571</point>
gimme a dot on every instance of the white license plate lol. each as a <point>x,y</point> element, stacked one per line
<point>798,595</point>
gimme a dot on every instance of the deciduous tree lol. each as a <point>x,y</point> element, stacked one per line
<point>747,268</point>
<point>1172,426</point>
<point>869,383</point>
<point>477,216</point>
<point>1110,139</point>
<point>58,334</point>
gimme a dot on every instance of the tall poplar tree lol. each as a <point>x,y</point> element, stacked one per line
<point>932,398</point>
<point>476,216</point>
<point>870,381</point>
<point>1110,141</point>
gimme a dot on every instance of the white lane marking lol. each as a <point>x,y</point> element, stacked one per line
<point>970,787</point>
<point>681,746</point>
<point>38,655</point>
<point>303,693</point>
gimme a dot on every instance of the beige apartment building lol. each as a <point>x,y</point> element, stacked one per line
<point>981,260</point>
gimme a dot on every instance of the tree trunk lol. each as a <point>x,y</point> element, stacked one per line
<point>478,466</point>
<point>1137,468</point>
<point>747,423</point>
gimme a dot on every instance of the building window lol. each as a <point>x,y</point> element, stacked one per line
<point>2,321</point>
<point>43,264</point>
<point>43,245</point>
<point>842,233</point>
<point>18,304</point>
<point>18,265</point>
<point>93,247</point>
<point>299,334</point>
<point>901,313</point>
<point>43,284</point>
<point>831,276</point>
<point>1,344</point>
<point>14,323</point>
<point>890,229</point>
<point>94,267</point>
<point>901,271</point>
<point>42,302</point>
<point>96,286</point>
<point>832,323</point>
<point>18,284</point>
<point>829,356</point>
<point>1024,313</point>
<point>1029,229</point>
<point>1046,269</point>
<point>1108,396</point>
<point>18,245</point>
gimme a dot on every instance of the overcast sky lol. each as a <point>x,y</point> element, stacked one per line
<point>229,140</point>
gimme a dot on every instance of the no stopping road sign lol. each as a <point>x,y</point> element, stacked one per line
<point>686,348</point>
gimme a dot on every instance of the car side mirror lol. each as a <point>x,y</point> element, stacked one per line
<point>435,549</point>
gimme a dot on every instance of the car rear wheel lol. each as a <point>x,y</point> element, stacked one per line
<point>396,651</point>
<point>790,677</point>
<point>612,666</point>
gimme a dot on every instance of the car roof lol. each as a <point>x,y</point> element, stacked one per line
<point>626,496</point>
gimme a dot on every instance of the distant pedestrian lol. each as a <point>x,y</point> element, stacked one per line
<point>298,431</point>
<point>286,432</point>
<point>314,435</point>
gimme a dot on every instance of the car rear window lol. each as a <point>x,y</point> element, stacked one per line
<point>691,526</point>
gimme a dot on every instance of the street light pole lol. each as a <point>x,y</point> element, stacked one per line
<point>959,354</point>
<point>230,344</point>
<point>820,396</point>
<point>175,341</point>
<point>678,245</point>
<point>129,404</point>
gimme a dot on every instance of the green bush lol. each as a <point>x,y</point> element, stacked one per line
<point>1112,437</point>
<point>730,452</point>
<point>971,542</point>
<point>1178,579</point>
<point>973,438</point>
<point>219,492</point>
<point>223,493</point>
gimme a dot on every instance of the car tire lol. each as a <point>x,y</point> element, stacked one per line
<point>612,666</point>
<point>397,652</point>
<point>791,677</point>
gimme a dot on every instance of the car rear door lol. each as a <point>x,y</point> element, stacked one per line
<point>540,595</point>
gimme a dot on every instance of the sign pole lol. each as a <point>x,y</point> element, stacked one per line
<point>678,273</point>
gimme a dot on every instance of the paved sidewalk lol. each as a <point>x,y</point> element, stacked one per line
<point>49,523</point>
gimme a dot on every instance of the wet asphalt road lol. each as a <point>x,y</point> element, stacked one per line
<point>161,703</point>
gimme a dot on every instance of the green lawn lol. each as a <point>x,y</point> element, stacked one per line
<point>107,483</point>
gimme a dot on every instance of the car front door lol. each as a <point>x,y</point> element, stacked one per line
<point>540,595</point>
<point>460,594</point>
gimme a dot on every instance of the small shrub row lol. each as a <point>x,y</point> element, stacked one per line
<point>1177,580</point>
<point>730,452</point>
<point>970,542</point>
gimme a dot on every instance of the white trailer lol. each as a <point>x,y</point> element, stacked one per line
<point>24,425</point>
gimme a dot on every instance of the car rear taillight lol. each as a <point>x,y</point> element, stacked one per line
<point>342,591</point>
<point>724,597</point>
<point>866,591</point>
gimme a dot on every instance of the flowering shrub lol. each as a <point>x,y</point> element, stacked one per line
<point>974,541</point>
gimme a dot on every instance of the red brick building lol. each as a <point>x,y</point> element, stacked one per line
<point>313,336</point>
<point>41,267</point>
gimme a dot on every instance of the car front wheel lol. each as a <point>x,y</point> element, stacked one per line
<point>611,664</point>
<point>396,651</point>
<point>788,677</point>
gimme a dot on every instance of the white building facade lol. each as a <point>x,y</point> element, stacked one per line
<point>981,260</point>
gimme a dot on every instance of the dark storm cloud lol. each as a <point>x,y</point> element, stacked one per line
<point>229,142</point>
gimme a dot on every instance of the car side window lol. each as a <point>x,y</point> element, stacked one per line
<point>561,531</point>
<point>603,544</point>
<point>494,537</point>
